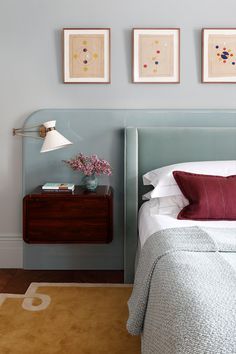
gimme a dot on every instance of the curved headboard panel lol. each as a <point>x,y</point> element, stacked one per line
<point>147,148</point>
<point>101,131</point>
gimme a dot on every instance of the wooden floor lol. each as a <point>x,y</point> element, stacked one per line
<point>16,281</point>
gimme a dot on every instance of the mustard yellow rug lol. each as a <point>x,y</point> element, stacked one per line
<point>67,318</point>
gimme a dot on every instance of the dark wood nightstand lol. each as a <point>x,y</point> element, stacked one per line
<point>65,217</point>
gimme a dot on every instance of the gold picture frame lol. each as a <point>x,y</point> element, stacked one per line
<point>86,55</point>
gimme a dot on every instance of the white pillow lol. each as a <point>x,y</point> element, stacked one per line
<point>147,196</point>
<point>165,185</point>
<point>167,205</point>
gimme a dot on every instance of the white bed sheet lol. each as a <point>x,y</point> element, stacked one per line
<point>150,223</point>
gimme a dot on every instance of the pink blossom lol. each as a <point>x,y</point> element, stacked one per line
<point>89,165</point>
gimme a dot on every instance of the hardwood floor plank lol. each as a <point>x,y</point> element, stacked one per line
<point>101,276</point>
<point>17,281</point>
<point>5,276</point>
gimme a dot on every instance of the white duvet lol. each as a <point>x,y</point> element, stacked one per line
<point>150,223</point>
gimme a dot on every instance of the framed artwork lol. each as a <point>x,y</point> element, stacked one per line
<point>219,55</point>
<point>156,55</point>
<point>86,55</point>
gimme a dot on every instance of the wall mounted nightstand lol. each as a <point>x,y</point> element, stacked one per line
<point>65,217</point>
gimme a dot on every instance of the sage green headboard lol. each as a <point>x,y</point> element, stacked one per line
<point>102,132</point>
<point>147,148</point>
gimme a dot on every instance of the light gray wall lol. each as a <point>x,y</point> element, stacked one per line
<point>31,79</point>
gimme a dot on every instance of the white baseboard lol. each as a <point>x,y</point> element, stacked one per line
<point>11,252</point>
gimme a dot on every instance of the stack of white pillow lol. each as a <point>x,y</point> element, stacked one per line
<point>166,197</point>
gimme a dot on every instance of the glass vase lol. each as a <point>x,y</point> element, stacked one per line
<point>90,183</point>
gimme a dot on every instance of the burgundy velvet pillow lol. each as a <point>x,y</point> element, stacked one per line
<point>210,197</point>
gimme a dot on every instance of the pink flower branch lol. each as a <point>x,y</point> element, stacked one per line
<point>89,165</point>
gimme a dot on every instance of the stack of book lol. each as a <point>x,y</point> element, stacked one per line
<point>58,187</point>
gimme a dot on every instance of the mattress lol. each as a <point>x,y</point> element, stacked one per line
<point>149,223</point>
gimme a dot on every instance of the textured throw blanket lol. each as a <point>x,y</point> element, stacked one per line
<point>184,296</point>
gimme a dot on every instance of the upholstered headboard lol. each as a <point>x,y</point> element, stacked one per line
<point>147,148</point>
<point>102,132</point>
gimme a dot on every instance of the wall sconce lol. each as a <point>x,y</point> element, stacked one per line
<point>53,140</point>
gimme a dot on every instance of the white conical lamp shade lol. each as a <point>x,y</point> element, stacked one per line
<point>53,140</point>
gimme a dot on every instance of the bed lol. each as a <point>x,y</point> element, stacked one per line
<point>185,301</point>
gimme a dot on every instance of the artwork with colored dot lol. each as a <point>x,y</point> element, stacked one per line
<point>155,55</point>
<point>86,56</point>
<point>221,55</point>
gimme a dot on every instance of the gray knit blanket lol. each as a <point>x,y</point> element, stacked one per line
<point>184,295</point>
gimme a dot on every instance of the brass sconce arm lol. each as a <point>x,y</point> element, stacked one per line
<point>27,132</point>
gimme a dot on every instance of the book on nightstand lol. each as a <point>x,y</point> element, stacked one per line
<point>58,187</point>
